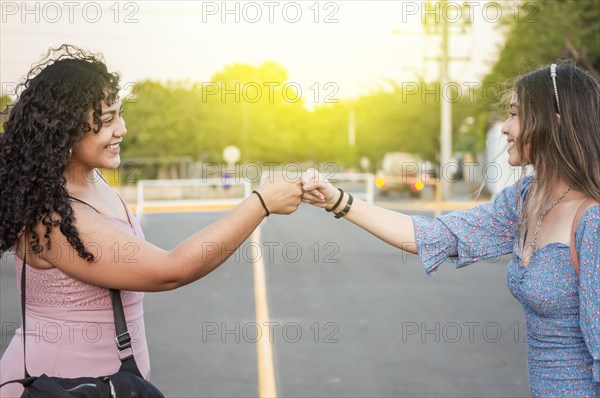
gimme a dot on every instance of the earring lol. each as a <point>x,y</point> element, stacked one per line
<point>70,152</point>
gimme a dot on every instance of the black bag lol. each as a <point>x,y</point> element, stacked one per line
<point>127,382</point>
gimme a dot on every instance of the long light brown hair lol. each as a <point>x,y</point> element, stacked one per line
<point>565,148</point>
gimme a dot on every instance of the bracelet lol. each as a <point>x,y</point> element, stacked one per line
<point>346,208</point>
<point>336,203</point>
<point>262,202</point>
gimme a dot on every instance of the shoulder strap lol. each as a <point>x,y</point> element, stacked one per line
<point>573,229</point>
<point>127,211</point>
<point>120,199</point>
<point>85,203</point>
<point>23,291</point>
<point>123,338</point>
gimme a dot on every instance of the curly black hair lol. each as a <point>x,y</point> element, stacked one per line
<point>49,116</point>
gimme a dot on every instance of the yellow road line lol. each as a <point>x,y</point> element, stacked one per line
<point>264,348</point>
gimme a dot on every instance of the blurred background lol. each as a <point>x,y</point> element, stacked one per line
<point>400,100</point>
<point>344,82</point>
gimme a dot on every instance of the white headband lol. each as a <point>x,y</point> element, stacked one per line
<point>553,74</point>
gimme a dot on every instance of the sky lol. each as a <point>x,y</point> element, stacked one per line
<point>332,50</point>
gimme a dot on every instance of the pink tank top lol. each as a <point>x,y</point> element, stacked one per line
<point>54,288</point>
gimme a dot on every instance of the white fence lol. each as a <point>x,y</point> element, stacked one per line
<point>223,192</point>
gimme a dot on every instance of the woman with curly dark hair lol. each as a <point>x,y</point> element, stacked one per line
<point>66,123</point>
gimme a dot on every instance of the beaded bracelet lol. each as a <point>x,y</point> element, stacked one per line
<point>262,202</point>
<point>338,201</point>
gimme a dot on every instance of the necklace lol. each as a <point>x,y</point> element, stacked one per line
<point>533,244</point>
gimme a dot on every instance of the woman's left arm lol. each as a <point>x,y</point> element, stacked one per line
<point>588,249</point>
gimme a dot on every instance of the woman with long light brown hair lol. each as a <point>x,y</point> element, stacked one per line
<point>549,221</point>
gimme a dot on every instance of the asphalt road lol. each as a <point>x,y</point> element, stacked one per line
<point>350,315</point>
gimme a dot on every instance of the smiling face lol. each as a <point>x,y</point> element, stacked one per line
<point>101,149</point>
<point>512,130</point>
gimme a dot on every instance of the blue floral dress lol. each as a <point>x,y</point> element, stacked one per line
<point>562,310</point>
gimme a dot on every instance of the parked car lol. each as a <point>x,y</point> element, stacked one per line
<point>402,172</point>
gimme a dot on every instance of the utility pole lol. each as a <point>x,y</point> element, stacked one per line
<point>352,138</point>
<point>441,27</point>
<point>351,129</point>
<point>446,111</point>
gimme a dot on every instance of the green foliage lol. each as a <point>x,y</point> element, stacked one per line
<point>545,31</point>
<point>257,109</point>
<point>162,120</point>
<point>4,102</point>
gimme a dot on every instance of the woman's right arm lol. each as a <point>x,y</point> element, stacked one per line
<point>462,237</point>
<point>125,262</point>
<point>390,226</point>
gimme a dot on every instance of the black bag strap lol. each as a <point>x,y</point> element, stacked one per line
<point>123,338</point>
<point>23,269</point>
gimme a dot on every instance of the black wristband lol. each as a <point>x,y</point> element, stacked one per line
<point>346,208</point>
<point>338,201</point>
<point>262,202</point>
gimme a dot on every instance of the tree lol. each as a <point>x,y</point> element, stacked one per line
<point>545,30</point>
<point>162,121</point>
<point>257,109</point>
<point>4,102</point>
